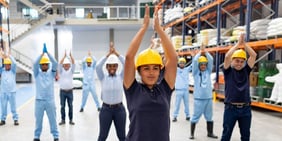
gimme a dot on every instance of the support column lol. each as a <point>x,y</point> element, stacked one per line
<point>56,48</point>
<point>112,35</point>
<point>218,20</point>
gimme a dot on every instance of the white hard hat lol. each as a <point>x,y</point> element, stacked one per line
<point>112,59</point>
<point>66,61</point>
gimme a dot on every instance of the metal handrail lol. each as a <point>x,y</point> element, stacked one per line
<point>21,58</point>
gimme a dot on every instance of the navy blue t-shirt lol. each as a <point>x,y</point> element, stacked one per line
<point>237,85</point>
<point>148,112</point>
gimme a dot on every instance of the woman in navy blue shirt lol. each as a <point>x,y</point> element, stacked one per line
<point>148,101</point>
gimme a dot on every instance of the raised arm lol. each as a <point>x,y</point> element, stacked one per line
<point>14,64</point>
<point>170,53</point>
<point>129,66</point>
<point>195,64</point>
<point>62,60</point>
<point>228,54</point>
<point>99,67</point>
<point>36,65</point>
<point>72,62</point>
<point>210,61</point>
<point>54,64</point>
<point>94,61</point>
<point>252,56</point>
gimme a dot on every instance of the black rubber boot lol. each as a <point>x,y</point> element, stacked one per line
<point>193,126</point>
<point>210,130</point>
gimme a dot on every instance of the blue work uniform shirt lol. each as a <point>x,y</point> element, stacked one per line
<point>8,78</point>
<point>202,79</point>
<point>44,81</point>
<point>182,78</point>
<point>111,86</point>
<point>88,72</point>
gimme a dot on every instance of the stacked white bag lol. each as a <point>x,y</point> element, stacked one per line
<point>274,27</point>
<point>174,13</point>
<point>258,29</point>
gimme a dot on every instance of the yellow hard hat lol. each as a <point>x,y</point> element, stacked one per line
<point>44,60</point>
<point>181,59</point>
<point>239,54</point>
<point>89,60</point>
<point>203,59</point>
<point>148,57</point>
<point>7,61</point>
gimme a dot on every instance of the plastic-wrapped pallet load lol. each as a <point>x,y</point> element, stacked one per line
<point>237,31</point>
<point>177,41</point>
<point>274,27</point>
<point>258,29</point>
<point>276,94</point>
<point>173,13</point>
<point>206,35</point>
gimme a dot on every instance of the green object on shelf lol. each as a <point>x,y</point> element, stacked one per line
<point>263,92</point>
<point>142,9</point>
<point>267,68</point>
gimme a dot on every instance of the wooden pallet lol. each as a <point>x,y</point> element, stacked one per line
<point>255,98</point>
<point>271,102</point>
<point>268,101</point>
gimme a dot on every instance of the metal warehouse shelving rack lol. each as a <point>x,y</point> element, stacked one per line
<point>3,31</point>
<point>215,14</point>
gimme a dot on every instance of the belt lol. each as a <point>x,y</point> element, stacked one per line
<point>112,105</point>
<point>239,105</point>
<point>64,90</point>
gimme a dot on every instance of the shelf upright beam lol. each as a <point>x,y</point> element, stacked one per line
<point>183,26</point>
<point>223,20</point>
<point>199,23</point>
<point>172,27</point>
<point>248,19</point>
<point>218,21</point>
<point>1,30</point>
<point>242,14</point>
<point>163,13</point>
<point>8,23</point>
<point>275,8</point>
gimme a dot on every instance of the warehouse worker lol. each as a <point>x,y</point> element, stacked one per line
<point>8,88</point>
<point>181,88</point>
<point>201,71</point>
<point>112,95</point>
<point>66,70</point>
<point>237,100</point>
<point>89,64</point>
<point>148,101</point>
<point>44,74</point>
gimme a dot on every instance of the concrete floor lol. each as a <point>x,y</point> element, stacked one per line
<point>266,125</point>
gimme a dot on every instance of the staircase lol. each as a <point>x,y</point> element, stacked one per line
<point>27,26</point>
<point>23,62</point>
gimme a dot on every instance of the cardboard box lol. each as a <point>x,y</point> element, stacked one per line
<point>253,79</point>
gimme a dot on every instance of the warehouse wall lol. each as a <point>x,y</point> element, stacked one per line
<point>79,41</point>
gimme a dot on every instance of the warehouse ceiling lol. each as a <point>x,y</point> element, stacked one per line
<point>95,2</point>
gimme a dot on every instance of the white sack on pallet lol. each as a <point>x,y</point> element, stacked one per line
<point>260,22</point>
<point>276,94</point>
<point>275,21</point>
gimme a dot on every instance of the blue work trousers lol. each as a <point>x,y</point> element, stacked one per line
<point>49,107</point>
<point>202,106</point>
<point>66,96</point>
<point>232,114</point>
<point>106,116</point>
<point>86,89</point>
<point>181,95</point>
<point>11,98</point>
